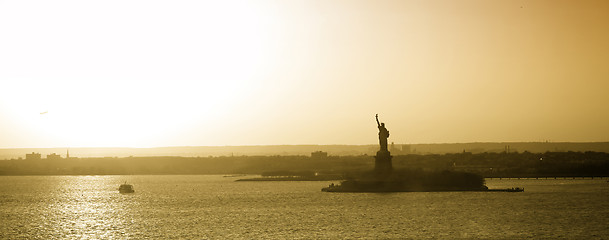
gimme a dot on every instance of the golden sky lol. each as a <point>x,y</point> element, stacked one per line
<point>189,73</point>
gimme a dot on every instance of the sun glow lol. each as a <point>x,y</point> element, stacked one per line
<point>165,75</point>
<point>205,72</point>
<point>122,113</point>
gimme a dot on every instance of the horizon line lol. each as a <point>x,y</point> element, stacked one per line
<point>275,145</point>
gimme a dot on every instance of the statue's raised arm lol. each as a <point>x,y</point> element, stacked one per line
<point>377,120</point>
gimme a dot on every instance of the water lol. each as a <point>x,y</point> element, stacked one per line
<point>216,207</point>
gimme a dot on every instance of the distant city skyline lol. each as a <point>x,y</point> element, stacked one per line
<point>269,72</point>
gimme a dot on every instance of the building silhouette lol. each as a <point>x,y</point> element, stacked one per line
<point>53,156</point>
<point>32,156</point>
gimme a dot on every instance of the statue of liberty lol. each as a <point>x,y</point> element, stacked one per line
<point>383,134</point>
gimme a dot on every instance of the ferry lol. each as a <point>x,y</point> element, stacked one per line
<point>126,188</point>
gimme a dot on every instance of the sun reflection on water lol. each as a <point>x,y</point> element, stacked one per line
<point>91,207</point>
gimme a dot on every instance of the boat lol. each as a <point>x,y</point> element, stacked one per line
<point>126,188</point>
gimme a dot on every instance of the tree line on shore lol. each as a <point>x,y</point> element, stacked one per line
<point>513,164</point>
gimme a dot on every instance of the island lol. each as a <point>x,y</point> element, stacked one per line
<point>385,179</point>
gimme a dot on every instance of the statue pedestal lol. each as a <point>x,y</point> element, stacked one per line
<point>382,164</point>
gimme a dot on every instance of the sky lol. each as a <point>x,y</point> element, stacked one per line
<point>135,73</point>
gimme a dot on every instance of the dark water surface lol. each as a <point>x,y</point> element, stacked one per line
<point>216,207</point>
